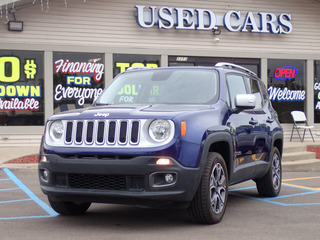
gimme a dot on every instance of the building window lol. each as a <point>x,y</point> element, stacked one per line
<point>21,88</point>
<point>252,64</point>
<point>124,61</point>
<point>316,87</point>
<point>78,79</point>
<point>286,87</point>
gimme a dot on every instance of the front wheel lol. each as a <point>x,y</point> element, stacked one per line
<point>270,184</point>
<point>210,201</point>
<point>68,208</point>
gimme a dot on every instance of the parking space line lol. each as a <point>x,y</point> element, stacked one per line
<point>299,186</point>
<point>5,179</point>
<point>9,189</point>
<point>19,200</point>
<point>294,195</point>
<point>301,179</point>
<point>297,179</point>
<point>240,189</point>
<point>26,217</point>
<point>30,194</point>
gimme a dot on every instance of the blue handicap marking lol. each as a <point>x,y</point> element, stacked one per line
<point>29,193</point>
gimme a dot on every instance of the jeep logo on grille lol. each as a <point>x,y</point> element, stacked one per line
<point>101,115</point>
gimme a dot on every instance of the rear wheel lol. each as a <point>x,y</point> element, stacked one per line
<point>270,184</point>
<point>210,201</point>
<point>68,208</point>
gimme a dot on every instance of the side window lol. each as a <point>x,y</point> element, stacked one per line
<point>228,99</point>
<point>264,92</point>
<point>236,86</point>
<point>255,90</point>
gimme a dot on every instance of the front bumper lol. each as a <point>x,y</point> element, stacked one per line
<point>134,180</point>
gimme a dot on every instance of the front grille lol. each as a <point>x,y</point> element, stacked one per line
<point>110,132</point>
<point>101,182</point>
<point>106,182</point>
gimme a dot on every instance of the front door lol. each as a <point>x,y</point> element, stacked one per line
<point>243,125</point>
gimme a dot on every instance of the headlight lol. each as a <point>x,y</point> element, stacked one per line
<point>56,130</point>
<point>160,130</point>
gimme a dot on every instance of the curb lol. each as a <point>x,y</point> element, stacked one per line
<point>19,165</point>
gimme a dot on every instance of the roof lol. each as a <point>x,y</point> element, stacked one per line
<point>16,4</point>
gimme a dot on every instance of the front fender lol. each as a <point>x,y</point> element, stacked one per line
<point>221,142</point>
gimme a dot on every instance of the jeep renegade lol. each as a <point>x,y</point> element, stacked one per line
<point>165,136</point>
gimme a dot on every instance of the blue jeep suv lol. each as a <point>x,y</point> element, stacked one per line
<point>177,136</point>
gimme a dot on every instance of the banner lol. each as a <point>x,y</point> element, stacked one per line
<point>21,88</point>
<point>78,79</point>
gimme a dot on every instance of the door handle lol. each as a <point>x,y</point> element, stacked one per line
<point>270,120</point>
<point>253,122</point>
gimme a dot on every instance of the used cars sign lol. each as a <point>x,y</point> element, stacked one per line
<point>205,19</point>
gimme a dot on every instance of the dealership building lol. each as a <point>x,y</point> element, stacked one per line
<point>58,55</point>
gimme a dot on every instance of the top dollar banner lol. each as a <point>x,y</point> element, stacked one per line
<point>21,81</point>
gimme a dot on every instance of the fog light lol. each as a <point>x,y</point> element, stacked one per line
<point>164,161</point>
<point>45,175</point>
<point>163,179</point>
<point>169,178</point>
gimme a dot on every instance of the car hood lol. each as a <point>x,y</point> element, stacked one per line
<point>164,111</point>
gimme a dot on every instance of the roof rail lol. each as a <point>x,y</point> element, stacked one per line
<point>235,66</point>
<point>136,68</point>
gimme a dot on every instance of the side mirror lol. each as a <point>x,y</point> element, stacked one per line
<point>245,101</point>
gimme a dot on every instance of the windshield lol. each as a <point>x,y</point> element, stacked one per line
<point>166,86</point>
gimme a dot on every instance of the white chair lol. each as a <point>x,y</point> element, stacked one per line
<point>300,122</point>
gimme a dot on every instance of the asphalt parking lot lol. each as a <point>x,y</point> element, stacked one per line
<point>295,214</point>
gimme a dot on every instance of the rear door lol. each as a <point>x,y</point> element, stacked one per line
<point>262,132</point>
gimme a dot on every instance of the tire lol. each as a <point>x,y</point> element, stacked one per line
<point>210,201</point>
<point>270,184</point>
<point>69,208</point>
